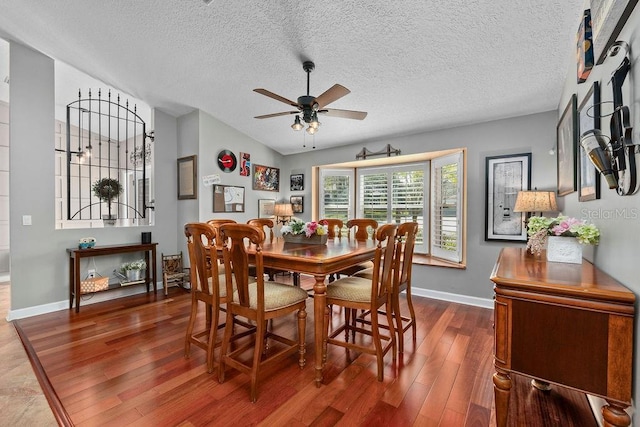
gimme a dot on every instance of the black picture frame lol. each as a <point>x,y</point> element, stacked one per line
<point>506,175</point>
<point>228,198</point>
<point>566,149</point>
<point>188,177</point>
<point>297,204</point>
<point>608,17</point>
<point>297,182</point>
<point>588,118</point>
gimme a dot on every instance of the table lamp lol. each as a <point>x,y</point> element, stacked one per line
<point>536,201</point>
<point>283,212</point>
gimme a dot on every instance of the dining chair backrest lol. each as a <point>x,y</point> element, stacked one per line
<point>201,238</point>
<point>361,228</point>
<point>236,261</point>
<point>216,223</point>
<point>266,225</point>
<point>383,263</point>
<point>332,225</point>
<point>405,243</point>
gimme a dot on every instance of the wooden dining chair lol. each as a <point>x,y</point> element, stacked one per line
<point>208,286</point>
<point>360,229</point>
<point>259,302</point>
<point>334,226</point>
<point>402,267</point>
<point>216,223</point>
<point>267,226</point>
<point>357,293</point>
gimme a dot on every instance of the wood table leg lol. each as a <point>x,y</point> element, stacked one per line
<point>319,306</point>
<point>71,282</point>
<point>615,416</point>
<point>76,281</point>
<point>502,391</point>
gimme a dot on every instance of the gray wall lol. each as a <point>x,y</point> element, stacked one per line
<point>617,217</point>
<point>534,134</point>
<point>39,261</point>
<point>216,136</point>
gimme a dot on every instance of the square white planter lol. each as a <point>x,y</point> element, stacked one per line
<point>564,249</point>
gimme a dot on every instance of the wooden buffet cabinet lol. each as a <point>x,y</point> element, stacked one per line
<point>564,324</point>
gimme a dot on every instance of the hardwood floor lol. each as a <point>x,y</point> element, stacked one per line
<point>121,363</point>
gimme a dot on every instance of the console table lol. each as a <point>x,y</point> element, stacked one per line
<point>76,255</point>
<point>565,324</point>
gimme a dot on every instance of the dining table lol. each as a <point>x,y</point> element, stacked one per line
<point>318,260</point>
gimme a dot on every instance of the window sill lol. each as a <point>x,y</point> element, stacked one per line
<point>436,262</point>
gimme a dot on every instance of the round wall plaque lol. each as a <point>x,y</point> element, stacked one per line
<point>227,161</point>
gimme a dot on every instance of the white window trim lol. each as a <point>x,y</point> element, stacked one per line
<point>337,172</point>
<point>436,251</point>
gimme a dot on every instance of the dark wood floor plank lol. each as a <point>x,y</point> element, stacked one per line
<point>121,363</point>
<point>409,409</point>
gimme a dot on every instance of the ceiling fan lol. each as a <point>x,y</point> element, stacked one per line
<point>310,106</point>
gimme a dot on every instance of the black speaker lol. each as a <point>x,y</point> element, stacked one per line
<point>146,236</point>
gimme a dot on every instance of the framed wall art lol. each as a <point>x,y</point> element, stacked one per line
<point>566,149</point>
<point>505,177</point>
<point>588,118</point>
<point>297,182</point>
<point>188,177</point>
<point>245,164</point>
<point>266,178</point>
<point>266,208</point>
<point>228,198</point>
<point>585,47</point>
<point>297,204</point>
<point>607,18</point>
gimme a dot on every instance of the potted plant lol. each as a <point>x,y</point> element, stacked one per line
<point>133,269</point>
<point>107,189</point>
<point>563,236</point>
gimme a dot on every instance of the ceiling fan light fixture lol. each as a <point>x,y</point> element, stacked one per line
<point>314,123</point>
<point>297,125</point>
<point>311,130</point>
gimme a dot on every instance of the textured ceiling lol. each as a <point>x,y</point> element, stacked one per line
<point>413,66</point>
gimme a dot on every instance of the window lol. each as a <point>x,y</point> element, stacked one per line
<point>446,207</point>
<point>395,194</point>
<point>336,194</point>
<point>427,188</point>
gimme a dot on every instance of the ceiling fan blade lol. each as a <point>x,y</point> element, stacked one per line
<point>345,114</point>
<point>276,97</point>
<point>284,113</point>
<point>332,94</point>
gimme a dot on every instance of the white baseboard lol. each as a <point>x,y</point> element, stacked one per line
<point>85,300</point>
<point>5,277</point>
<point>133,290</point>
<point>458,298</point>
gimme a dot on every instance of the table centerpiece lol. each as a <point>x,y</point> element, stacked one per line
<point>312,232</point>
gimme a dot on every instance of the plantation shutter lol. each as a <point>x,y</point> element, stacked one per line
<point>335,195</point>
<point>446,207</point>
<point>374,189</point>
<point>394,194</point>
